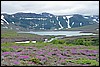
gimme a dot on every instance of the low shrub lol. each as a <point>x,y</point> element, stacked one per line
<point>36,60</point>
<point>58,41</point>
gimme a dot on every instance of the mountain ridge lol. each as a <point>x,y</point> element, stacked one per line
<point>45,21</point>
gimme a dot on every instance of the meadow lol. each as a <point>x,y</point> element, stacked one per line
<point>49,54</point>
<point>60,52</point>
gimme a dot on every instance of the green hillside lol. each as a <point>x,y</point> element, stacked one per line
<point>88,28</point>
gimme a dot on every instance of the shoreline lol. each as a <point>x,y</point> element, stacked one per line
<point>89,32</point>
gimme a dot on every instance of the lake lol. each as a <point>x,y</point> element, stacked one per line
<point>56,33</point>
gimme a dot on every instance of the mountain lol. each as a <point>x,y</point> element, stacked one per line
<point>46,21</point>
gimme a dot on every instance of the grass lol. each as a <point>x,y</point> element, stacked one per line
<point>7,49</point>
<point>8,44</point>
<point>84,61</point>
<point>93,47</point>
<point>13,34</point>
<point>16,35</point>
<point>41,45</point>
<point>87,27</point>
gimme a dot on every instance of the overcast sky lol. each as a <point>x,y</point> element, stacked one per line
<point>53,7</point>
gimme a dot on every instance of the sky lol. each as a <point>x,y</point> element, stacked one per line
<point>53,7</point>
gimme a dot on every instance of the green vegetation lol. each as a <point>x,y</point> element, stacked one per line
<point>7,49</point>
<point>84,61</point>
<point>86,42</point>
<point>79,41</point>
<point>93,47</point>
<point>87,27</point>
<point>8,44</point>
<point>58,41</point>
<point>36,60</point>
<point>13,34</point>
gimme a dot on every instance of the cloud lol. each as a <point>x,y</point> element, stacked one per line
<point>54,7</point>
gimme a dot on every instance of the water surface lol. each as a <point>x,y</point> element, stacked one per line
<point>56,33</point>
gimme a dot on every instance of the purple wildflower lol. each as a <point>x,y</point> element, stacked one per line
<point>85,52</point>
<point>39,53</point>
<point>92,57</point>
<point>61,61</point>
<point>64,53</point>
<point>23,57</point>
<point>55,49</point>
<point>15,47</point>
<point>16,62</point>
<point>5,53</point>
<point>89,52</point>
<point>73,51</point>
<point>62,57</point>
<point>18,53</point>
<point>94,52</point>
<point>41,57</point>
<point>26,52</point>
<point>58,54</point>
<point>50,53</point>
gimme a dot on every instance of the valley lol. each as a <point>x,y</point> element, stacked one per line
<point>62,49</point>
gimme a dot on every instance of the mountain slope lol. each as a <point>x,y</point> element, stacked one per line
<point>45,21</point>
<point>94,28</point>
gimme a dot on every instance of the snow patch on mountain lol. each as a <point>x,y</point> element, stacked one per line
<point>80,24</point>
<point>50,16</point>
<point>86,17</point>
<point>68,21</point>
<point>2,22</point>
<point>51,21</point>
<point>13,22</point>
<point>94,20</point>
<point>72,23</point>
<point>2,17</point>
<point>17,28</point>
<point>60,25</point>
<point>57,18</point>
<point>5,27</point>
<point>12,15</point>
<point>42,28</point>
<point>64,17</point>
<point>35,18</point>
<point>27,18</point>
